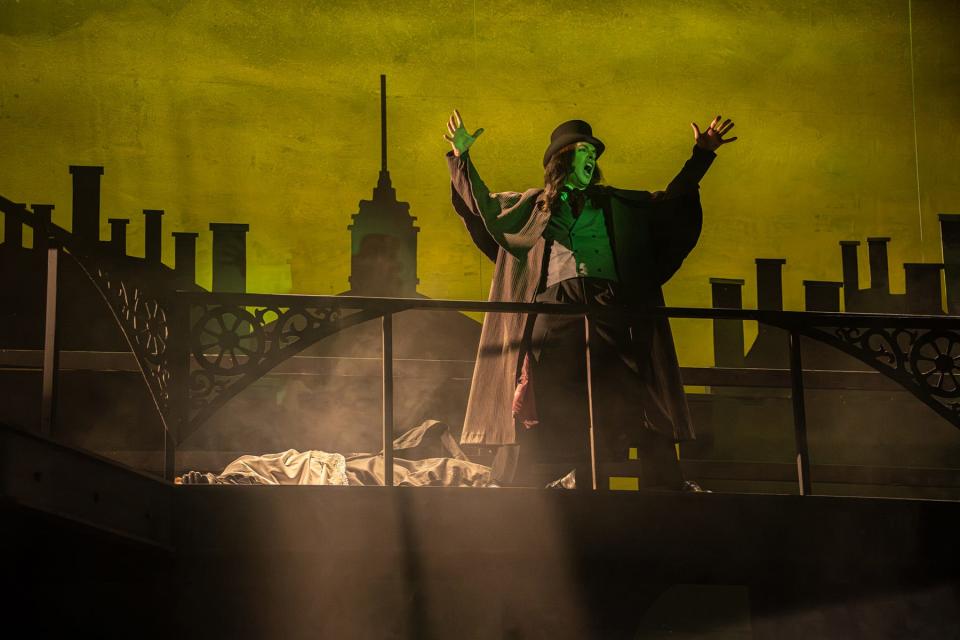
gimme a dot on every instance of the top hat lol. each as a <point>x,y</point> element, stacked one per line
<point>569,132</point>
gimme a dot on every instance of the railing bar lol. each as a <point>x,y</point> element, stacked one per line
<point>592,431</point>
<point>799,415</point>
<point>776,318</point>
<point>51,355</point>
<point>387,336</point>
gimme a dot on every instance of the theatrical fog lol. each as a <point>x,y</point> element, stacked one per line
<point>480,319</point>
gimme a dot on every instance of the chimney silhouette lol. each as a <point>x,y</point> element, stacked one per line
<point>86,202</point>
<point>151,235</point>
<point>13,227</point>
<point>769,348</point>
<point>849,250</point>
<point>727,293</point>
<point>923,288</point>
<point>822,295</point>
<point>185,256</point>
<point>229,257</point>
<point>383,236</point>
<point>770,283</point>
<point>118,235</point>
<point>43,222</point>
<point>879,271</point>
<point>950,243</point>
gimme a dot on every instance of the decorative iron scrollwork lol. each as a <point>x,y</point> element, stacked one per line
<point>925,362</point>
<point>143,320</point>
<point>227,341</point>
<point>935,362</point>
<point>883,347</point>
<point>232,347</point>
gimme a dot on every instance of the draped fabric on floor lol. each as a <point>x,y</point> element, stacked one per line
<point>425,456</point>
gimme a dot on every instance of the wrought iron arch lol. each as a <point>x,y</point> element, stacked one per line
<point>924,361</point>
<point>232,347</point>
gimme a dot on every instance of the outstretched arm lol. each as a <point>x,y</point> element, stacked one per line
<point>507,215</point>
<point>676,218</point>
<point>466,181</point>
<point>690,175</point>
<point>475,227</point>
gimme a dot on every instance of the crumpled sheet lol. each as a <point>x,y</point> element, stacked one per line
<point>425,456</point>
<point>288,467</point>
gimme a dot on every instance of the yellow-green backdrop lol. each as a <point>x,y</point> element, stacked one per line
<point>267,113</point>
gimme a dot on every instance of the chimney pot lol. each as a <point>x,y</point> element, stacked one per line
<point>43,225</point>
<point>727,293</point>
<point>923,288</point>
<point>13,226</point>
<point>849,250</point>
<point>229,256</point>
<point>950,244</point>
<point>822,295</point>
<point>879,271</point>
<point>185,265</point>
<point>770,283</point>
<point>152,241</point>
<point>86,202</point>
<point>118,235</point>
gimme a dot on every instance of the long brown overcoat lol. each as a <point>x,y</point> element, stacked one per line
<point>651,233</point>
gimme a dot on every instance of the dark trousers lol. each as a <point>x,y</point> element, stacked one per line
<point>559,374</point>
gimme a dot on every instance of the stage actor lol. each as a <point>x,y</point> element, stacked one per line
<point>577,241</point>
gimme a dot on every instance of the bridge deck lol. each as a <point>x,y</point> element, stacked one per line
<point>381,562</point>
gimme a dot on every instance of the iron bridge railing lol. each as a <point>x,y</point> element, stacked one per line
<point>197,350</point>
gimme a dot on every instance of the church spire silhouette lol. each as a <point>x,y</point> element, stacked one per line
<point>383,256</point>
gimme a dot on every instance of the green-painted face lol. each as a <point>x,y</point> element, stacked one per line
<point>582,166</point>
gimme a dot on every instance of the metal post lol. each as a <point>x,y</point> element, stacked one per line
<point>178,347</point>
<point>799,414</point>
<point>51,350</point>
<point>593,445</point>
<point>169,456</point>
<point>387,333</point>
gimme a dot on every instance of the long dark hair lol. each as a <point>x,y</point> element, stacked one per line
<point>555,175</point>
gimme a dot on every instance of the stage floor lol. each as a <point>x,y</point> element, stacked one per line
<point>431,562</point>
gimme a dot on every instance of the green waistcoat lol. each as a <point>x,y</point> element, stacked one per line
<point>581,246</point>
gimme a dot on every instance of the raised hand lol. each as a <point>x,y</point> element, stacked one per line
<point>458,137</point>
<point>712,138</point>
